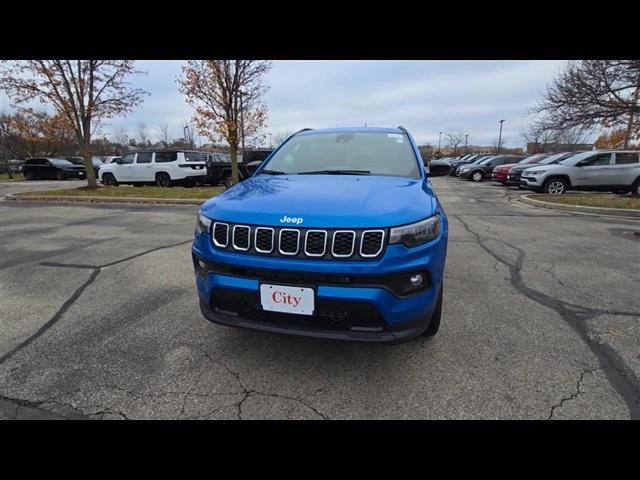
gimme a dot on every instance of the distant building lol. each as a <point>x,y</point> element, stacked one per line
<point>557,147</point>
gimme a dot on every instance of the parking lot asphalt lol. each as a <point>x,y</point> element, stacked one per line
<point>99,319</point>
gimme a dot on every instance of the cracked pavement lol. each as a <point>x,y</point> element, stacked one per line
<point>99,320</point>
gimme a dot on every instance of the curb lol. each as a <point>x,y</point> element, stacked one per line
<point>616,212</point>
<point>139,200</point>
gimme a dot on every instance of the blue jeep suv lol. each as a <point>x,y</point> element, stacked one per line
<point>337,235</point>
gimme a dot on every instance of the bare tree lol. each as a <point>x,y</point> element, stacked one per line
<point>453,140</point>
<point>227,96</point>
<point>280,137</point>
<point>595,93</point>
<point>83,91</point>
<point>143,135</point>
<point>163,134</point>
<point>539,135</point>
<point>121,138</point>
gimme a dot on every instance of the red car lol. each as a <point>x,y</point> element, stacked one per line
<point>499,174</point>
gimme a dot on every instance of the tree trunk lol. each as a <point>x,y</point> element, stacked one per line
<point>234,162</point>
<point>88,163</point>
<point>627,137</point>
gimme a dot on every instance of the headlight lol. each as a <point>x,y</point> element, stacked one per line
<point>203,224</point>
<point>416,233</point>
<point>534,172</point>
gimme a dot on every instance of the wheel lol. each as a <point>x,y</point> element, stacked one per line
<point>228,181</point>
<point>620,191</point>
<point>109,180</point>
<point>635,188</point>
<point>436,316</point>
<point>476,176</point>
<point>163,180</point>
<point>29,175</point>
<point>59,175</point>
<point>555,186</point>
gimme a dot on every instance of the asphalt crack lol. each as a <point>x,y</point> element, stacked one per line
<point>573,396</point>
<point>249,392</point>
<point>621,377</point>
<point>96,269</point>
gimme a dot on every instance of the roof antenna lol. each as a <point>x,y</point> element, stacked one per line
<point>365,124</point>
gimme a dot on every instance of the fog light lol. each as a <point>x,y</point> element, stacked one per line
<point>416,280</point>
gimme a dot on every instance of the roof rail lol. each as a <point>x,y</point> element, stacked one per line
<point>404,130</point>
<point>300,131</point>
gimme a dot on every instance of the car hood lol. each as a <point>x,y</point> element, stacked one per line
<point>506,166</point>
<point>545,167</point>
<point>337,201</point>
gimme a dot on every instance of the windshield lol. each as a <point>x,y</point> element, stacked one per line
<point>572,160</point>
<point>552,159</point>
<point>59,161</point>
<point>350,153</point>
<point>484,161</point>
<point>531,159</point>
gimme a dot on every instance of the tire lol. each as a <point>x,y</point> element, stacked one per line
<point>476,176</point>
<point>29,175</point>
<point>436,316</point>
<point>555,186</point>
<point>109,180</point>
<point>60,175</point>
<point>163,180</point>
<point>635,188</point>
<point>620,191</point>
<point>228,181</point>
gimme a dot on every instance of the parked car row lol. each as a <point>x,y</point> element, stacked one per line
<point>617,171</point>
<point>164,168</point>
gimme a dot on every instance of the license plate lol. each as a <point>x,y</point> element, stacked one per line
<point>280,298</point>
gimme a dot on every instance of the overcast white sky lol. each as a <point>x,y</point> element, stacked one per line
<point>425,96</point>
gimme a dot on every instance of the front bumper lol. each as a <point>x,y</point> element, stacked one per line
<point>363,313</point>
<point>531,181</point>
<point>499,177</point>
<point>75,174</point>
<point>513,179</point>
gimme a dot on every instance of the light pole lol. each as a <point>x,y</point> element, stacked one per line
<point>270,144</point>
<point>500,136</point>
<point>466,137</point>
<point>439,138</point>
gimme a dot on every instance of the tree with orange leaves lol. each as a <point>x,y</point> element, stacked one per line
<point>82,91</point>
<point>227,97</point>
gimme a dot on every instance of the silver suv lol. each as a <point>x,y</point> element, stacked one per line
<point>605,170</point>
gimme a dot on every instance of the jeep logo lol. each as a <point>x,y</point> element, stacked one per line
<point>296,220</point>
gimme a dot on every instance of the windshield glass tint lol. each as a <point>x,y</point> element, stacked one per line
<point>374,152</point>
<point>575,158</point>
<point>551,159</point>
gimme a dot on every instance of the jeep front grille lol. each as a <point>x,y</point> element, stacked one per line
<point>356,244</point>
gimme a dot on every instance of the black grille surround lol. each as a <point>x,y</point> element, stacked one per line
<point>328,314</point>
<point>303,243</point>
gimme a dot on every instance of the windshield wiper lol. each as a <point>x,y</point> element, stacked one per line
<point>336,172</point>
<point>272,172</point>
